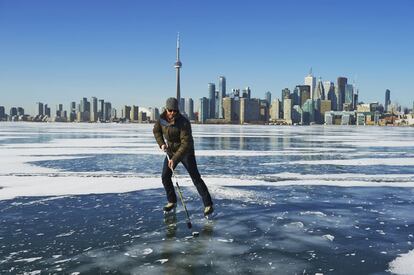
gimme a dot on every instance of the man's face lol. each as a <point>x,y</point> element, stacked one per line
<point>171,114</point>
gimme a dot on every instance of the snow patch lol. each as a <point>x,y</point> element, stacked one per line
<point>403,264</point>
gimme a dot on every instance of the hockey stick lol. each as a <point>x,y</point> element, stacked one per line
<point>189,225</point>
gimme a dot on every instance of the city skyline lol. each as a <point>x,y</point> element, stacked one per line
<point>55,52</point>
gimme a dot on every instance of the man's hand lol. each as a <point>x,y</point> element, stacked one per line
<point>171,164</point>
<point>164,147</point>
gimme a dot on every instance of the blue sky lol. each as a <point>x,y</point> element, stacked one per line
<point>123,51</point>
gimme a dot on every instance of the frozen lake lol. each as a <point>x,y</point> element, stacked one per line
<point>87,198</point>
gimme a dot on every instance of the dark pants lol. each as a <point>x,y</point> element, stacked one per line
<point>190,164</point>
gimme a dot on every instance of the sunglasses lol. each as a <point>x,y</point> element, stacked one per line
<point>172,111</point>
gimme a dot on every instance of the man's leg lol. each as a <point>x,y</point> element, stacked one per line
<point>189,162</point>
<point>167,182</point>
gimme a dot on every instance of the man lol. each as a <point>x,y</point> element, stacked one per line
<point>176,130</point>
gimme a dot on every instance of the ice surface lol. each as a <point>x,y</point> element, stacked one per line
<point>85,198</point>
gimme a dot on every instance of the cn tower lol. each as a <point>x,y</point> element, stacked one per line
<point>178,65</point>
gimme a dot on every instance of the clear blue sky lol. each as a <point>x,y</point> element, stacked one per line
<point>124,51</point>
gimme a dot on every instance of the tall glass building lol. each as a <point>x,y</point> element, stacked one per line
<point>222,93</point>
<point>212,99</point>
<point>387,99</point>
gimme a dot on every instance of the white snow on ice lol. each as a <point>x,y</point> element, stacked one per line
<point>403,265</point>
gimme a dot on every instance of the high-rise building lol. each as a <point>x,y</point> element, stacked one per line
<point>94,109</point>
<point>349,96</point>
<point>134,113</point>
<point>231,109</point>
<point>249,110</point>
<point>203,112</point>
<point>101,107</point>
<point>325,107</point>
<point>40,109</point>
<point>387,100</point>
<point>268,97</point>
<point>295,96</point>
<point>329,88</point>
<point>126,112</point>
<point>108,111</point>
<point>177,66</point>
<point>47,111</point>
<point>287,110</point>
<point>212,99</point>
<point>247,93</point>
<point>340,92</point>
<point>2,113</point>
<point>310,80</point>
<point>189,108</point>
<point>304,93</point>
<point>275,110</point>
<point>13,111</point>
<point>319,92</point>
<point>20,111</point>
<point>285,93</point>
<point>308,111</point>
<point>221,95</point>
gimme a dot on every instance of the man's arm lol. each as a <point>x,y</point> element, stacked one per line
<point>157,131</point>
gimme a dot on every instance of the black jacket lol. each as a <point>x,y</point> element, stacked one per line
<point>177,134</point>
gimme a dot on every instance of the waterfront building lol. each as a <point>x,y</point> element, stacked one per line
<point>340,92</point>
<point>387,100</point>
<point>310,80</point>
<point>246,93</point>
<point>308,111</point>
<point>249,110</point>
<point>360,119</point>
<point>2,113</point>
<point>349,96</point>
<point>94,109</point>
<point>108,111</point>
<point>212,99</point>
<point>297,115</point>
<point>268,97</point>
<point>189,108</point>
<point>101,107</point>
<point>134,113</point>
<point>285,93</point>
<point>126,112</point>
<point>325,107</point>
<point>231,108</point>
<point>47,111</point>
<point>203,113</point>
<point>275,110</point>
<point>319,92</point>
<point>287,110</point>
<point>221,95</point>
<point>304,92</point>
<point>295,96</point>
<point>40,109</point>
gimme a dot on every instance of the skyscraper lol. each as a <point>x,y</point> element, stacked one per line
<point>40,109</point>
<point>310,80</point>
<point>212,99</point>
<point>268,97</point>
<point>304,93</point>
<point>319,92</point>
<point>189,108</point>
<point>222,93</point>
<point>203,113</point>
<point>2,113</point>
<point>177,66</point>
<point>340,92</point>
<point>387,99</point>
